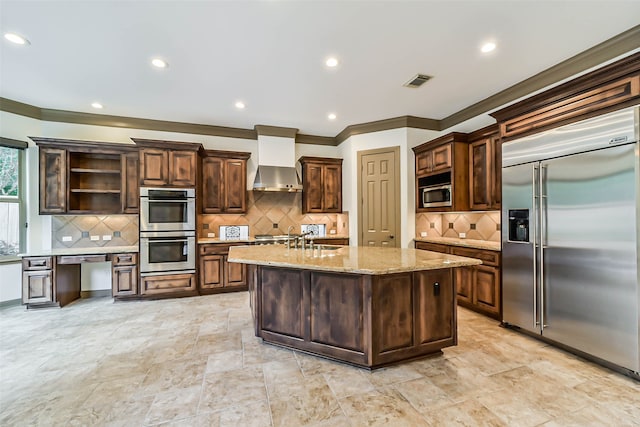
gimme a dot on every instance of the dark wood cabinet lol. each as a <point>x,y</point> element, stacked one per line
<point>37,280</point>
<point>168,163</point>
<point>443,161</point>
<point>485,169</point>
<point>216,273</point>
<point>477,287</point>
<point>321,185</point>
<point>124,274</point>
<point>606,89</point>
<point>224,182</point>
<point>84,177</point>
<point>331,241</point>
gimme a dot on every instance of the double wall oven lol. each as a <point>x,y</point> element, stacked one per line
<point>167,231</point>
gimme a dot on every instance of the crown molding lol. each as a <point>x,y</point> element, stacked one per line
<point>265,130</point>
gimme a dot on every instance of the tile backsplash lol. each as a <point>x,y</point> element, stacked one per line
<point>123,230</point>
<point>273,213</point>
<point>476,225</point>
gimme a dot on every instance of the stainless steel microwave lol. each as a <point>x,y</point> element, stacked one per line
<point>436,196</point>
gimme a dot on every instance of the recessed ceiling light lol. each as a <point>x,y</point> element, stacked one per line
<point>488,47</point>
<point>331,116</point>
<point>331,62</point>
<point>96,105</point>
<point>240,105</point>
<point>15,38</point>
<point>159,63</point>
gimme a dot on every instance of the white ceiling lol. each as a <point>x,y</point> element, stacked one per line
<point>270,54</point>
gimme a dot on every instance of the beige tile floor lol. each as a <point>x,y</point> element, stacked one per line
<point>195,362</point>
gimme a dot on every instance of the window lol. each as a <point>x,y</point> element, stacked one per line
<point>12,230</point>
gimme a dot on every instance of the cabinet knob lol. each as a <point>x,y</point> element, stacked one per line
<point>392,236</point>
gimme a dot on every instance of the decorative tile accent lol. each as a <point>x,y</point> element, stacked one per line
<point>123,230</point>
<point>476,225</point>
<point>284,209</point>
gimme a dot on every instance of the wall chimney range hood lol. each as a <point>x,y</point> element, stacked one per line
<point>276,160</point>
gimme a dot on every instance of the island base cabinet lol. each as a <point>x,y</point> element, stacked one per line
<point>366,320</point>
<point>168,285</point>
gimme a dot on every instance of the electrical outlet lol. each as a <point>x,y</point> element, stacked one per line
<point>332,231</point>
<point>67,238</point>
<point>106,237</point>
<point>211,234</point>
<point>463,235</point>
<point>94,238</point>
<point>423,234</point>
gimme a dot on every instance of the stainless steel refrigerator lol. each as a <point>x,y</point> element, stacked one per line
<point>570,209</point>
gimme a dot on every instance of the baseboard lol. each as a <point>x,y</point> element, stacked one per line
<point>101,293</point>
<point>10,303</point>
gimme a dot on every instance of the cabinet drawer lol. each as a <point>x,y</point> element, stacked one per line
<point>37,263</point>
<point>487,257</point>
<point>434,247</point>
<point>218,248</point>
<point>339,242</point>
<point>124,259</point>
<point>155,285</point>
<point>78,259</point>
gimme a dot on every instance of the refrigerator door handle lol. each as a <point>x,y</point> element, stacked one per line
<point>543,238</point>
<point>534,234</point>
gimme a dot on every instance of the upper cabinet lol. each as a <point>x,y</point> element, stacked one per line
<point>321,185</point>
<point>606,89</point>
<point>485,169</point>
<point>224,182</point>
<point>442,174</point>
<point>78,177</point>
<point>167,163</point>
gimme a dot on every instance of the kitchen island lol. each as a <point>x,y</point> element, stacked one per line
<point>365,306</point>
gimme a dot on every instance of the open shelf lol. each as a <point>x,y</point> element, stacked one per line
<point>94,190</point>
<point>86,170</point>
<point>95,182</point>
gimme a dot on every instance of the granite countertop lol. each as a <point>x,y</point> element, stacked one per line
<point>81,251</point>
<point>216,240</point>
<point>467,243</point>
<point>348,259</point>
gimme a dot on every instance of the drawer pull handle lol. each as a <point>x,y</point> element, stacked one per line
<point>39,263</point>
<point>436,289</point>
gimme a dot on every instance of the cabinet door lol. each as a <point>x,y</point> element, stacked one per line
<point>130,194</point>
<point>434,247</point>
<point>154,167</point>
<point>435,303</point>
<point>312,188</point>
<point>332,186</point>
<point>464,278</point>
<point>235,184</point>
<point>53,180</point>
<point>37,286</point>
<point>424,162</point>
<point>212,185</point>
<point>495,162</point>
<point>124,280</point>
<point>441,158</point>
<point>182,168</point>
<point>211,271</point>
<point>480,174</point>
<point>486,294</point>
<point>236,274</point>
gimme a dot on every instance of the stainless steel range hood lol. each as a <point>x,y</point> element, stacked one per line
<point>276,160</point>
<point>277,178</point>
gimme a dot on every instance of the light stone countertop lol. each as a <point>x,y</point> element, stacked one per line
<point>82,251</point>
<point>467,243</point>
<point>215,240</point>
<point>348,259</point>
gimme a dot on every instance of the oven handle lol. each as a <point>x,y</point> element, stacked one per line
<point>168,201</point>
<point>151,239</point>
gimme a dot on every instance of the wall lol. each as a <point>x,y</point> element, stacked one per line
<point>405,138</point>
<point>475,225</point>
<point>264,209</point>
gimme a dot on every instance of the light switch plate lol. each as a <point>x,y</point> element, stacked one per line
<point>106,237</point>
<point>463,235</point>
<point>332,231</point>
<point>94,238</point>
<point>423,234</point>
<point>67,238</point>
<point>211,234</point>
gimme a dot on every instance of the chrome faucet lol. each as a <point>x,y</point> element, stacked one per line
<point>289,229</point>
<point>302,238</point>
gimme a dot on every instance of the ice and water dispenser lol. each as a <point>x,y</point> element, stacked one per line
<point>519,225</point>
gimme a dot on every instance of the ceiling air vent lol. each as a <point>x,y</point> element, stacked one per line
<point>417,80</point>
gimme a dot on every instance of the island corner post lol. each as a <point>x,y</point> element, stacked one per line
<point>360,318</point>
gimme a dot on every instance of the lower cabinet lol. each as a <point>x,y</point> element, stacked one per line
<point>477,287</point>
<point>218,275</point>
<point>168,285</point>
<point>37,287</point>
<point>124,275</point>
<point>332,241</point>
